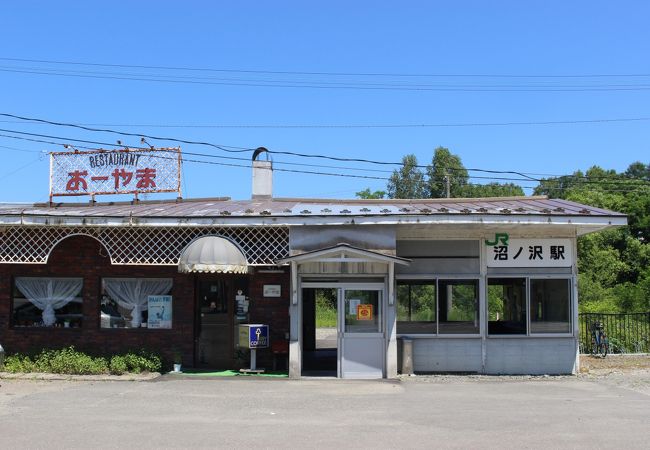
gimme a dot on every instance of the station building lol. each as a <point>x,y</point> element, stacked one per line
<point>470,285</point>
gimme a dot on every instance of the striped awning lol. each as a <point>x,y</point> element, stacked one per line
<point>212,254</point>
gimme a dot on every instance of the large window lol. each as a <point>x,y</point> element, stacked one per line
<point>437,307</point>
<point>124,301</point>
<point>522,306</point>
<point>47,302</point>
<point>458,307</point>
<point>416,307</point>
<point>507,306</point>
<point>550,307</point>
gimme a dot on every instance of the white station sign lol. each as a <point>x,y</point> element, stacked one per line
<point>547,252</point>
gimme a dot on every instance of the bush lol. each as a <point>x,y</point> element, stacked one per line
<point>118,365</point>
<point>19,363</point>
<point>72,362</point>
<point>142,362</point>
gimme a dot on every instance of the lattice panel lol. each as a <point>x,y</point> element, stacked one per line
<point>150,246</point>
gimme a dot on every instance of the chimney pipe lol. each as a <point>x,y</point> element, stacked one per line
<point>262,175</point>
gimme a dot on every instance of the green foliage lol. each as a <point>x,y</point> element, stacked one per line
<point>613,264</point>
<point>407,182</point>
<point>72,362</point>
<point>19,364</point>
<point>325,310</point>
<point>118,365</point>
<point>446,165</point>
<point>367,194</point>
<point>142,362</point>
<point>492,190</point>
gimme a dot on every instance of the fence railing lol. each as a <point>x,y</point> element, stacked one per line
<point>627,333</point>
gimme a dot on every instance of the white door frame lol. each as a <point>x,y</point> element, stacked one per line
<point>342,286</point>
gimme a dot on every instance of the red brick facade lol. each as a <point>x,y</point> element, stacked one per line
<point>82,256</point>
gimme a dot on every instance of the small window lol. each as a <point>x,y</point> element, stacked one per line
<point>416,307</point>
<point>362,311</point>
<point>458,307</point>
<point>124,301</point>
<point>507,306</point>
<point>47,302</point>
<point>550,306</point>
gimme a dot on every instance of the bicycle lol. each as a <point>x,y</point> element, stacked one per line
<point>599,341</point>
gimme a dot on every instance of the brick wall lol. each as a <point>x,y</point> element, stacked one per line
<point>81,256</point>
<point>273,311</point>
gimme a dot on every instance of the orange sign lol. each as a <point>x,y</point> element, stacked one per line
<point>364,312</point>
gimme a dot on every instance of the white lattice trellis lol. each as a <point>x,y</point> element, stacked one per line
<point>142,246</point>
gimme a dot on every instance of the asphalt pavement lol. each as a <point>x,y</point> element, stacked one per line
<point>426,412</point>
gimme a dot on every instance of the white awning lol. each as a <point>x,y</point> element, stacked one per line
<point>212,254</point>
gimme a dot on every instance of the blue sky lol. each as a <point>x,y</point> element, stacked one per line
<point>458,38</point>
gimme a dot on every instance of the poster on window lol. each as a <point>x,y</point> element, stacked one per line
<point>160,311</point>
<point>364,312</point>
<point>548,252</point>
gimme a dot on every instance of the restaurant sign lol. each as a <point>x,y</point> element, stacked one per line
<point>127,171</point>
<point>547,252</point>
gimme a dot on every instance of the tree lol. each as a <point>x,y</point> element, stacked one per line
<point>492,190</point>
<point>445,164</point>
<point>407,182</point>
<point>613,264</point>
<point>368,194</point>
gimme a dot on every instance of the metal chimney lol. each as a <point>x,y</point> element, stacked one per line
<point>262,175</point>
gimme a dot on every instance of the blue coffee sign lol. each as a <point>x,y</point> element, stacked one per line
<point>253,335</point>
<point>258,336</point>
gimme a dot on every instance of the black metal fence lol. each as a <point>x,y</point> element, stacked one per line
<point>627,333</point>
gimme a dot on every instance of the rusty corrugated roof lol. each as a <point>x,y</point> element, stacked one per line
<point>284,207</point>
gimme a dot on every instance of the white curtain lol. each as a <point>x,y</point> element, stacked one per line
<point>49,294</point>
<point>133,293</point>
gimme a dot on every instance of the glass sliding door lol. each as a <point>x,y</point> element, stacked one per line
<point>361,331</point>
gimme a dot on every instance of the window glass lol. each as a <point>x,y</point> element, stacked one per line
<point>124,301</point>
<point>416,307</point>
<point>507,306</point>
<point>47,302</point>
<point>550,306</point>
<point>362,311</point>
<point>458,307</point>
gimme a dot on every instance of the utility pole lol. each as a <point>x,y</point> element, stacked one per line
<point>448,183</point>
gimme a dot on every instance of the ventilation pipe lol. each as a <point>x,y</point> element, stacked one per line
<point>262,175</point>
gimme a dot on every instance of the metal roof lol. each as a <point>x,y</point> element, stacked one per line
<point>538,211</point>
<point>286,207</point>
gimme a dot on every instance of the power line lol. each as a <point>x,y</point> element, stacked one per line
<point>341,84</point>
<point>288,72</point>
<point>308,172</point>
<point>231,148</point>
<point>329,87</point>
<point>411,125</point>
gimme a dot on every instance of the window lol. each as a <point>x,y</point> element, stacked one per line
<point>512,301</point>
<point>437,307</point>
<point>458,306</point>
<point>550,306</point>
<point>47,302</point>
<point>416,307</point>
<point>362,311</point>
<point>124,301</point>
<point>507,306</point>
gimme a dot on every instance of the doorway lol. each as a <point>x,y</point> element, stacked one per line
<point>320,331</point>
<point>343,330</point>
<point>215,331</point>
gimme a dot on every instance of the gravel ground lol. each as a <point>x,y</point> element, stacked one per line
<point>630,372</point>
